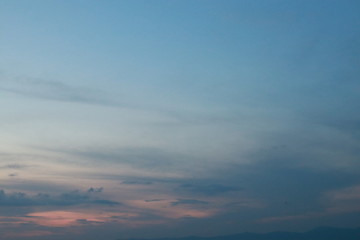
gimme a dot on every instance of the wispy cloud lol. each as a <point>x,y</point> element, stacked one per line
<point>61,218</point>
<point>136,182</point>
<point>14,166</point>
<point>139,157</point>
<point>20,199</point>
<point>208,189</point>
<point>188,202</point>
<point>335,202</point>
<point>57,91</point>
<point>154,200</point>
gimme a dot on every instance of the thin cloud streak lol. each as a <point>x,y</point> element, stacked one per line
<point>20,199</point>
<point>64,92</point>
<point>57,91</point>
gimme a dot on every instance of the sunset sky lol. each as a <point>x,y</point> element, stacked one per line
<point>163,118</point>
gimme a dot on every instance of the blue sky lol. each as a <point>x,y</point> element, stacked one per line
<point>174,118</point>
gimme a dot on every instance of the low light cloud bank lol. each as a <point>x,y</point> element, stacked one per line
<point>15,166</point>
<point>136,182</point>
<point>187,202</point>
<point>208,189</point>
<point>21,199</point>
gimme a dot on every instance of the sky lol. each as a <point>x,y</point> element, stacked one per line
<point>138,118</point>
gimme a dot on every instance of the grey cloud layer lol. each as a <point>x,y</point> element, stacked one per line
<point>208,189</point>
<point>188,202</point>
<point>14,166</point>
<point>136,182</point>
<point>20,199</point>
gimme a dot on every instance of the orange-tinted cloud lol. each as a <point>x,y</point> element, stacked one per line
<point>70,218</point>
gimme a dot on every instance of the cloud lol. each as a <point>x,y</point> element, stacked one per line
<point>342,200</point>
<point>20,199</point>
<point>187,202</point>
<point>51,220</point>
<point>56,91</point>
<point>349,193</point>
<point>208,189</point>
<point>95,190</point>
<point>137,182</point>
<point>14,166</point>
<point>154,200</point>
<point>104,202</point>
<point>149,158</point>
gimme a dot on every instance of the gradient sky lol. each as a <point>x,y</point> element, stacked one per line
<point>172,118</point>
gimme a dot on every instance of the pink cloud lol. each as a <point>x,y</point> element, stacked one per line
<point>350,193</point>
<point>163,208</point>
<point>71,218</point>
<point>68,218</point>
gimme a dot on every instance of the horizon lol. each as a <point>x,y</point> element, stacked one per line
<point>137,118</point>
<point>322,231</point>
